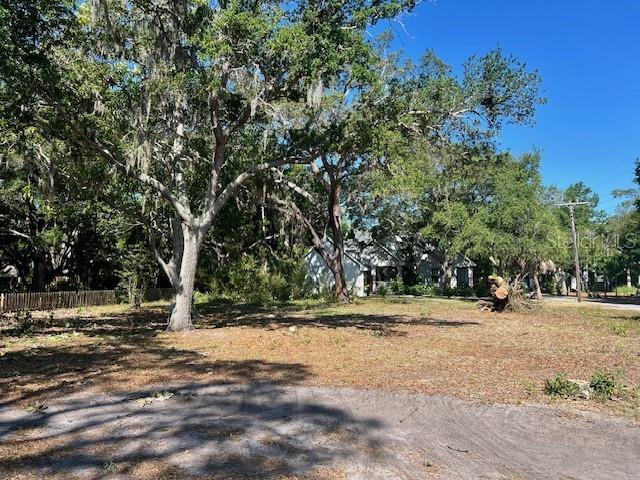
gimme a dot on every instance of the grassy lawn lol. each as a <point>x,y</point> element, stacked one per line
<point>432,346</point>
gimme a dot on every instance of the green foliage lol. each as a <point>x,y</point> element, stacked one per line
<point>424,290</point>
<point>397,287</point>
<point>137,273</point>
<point>143,106</point>
<point>620,329</point>
<point>26,324</point>
<point>250,280</point>
<point>560,386</point>
<point>604,384</point>
<point>464,292</point>
<point>625,291</point>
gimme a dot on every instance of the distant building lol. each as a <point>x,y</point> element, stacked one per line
<point>369,265</point>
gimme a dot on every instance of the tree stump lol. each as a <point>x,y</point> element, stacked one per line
<point>504,296</point>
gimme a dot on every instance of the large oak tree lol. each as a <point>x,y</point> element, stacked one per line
<point>172,94</point>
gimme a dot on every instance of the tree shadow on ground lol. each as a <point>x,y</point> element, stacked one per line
<point>284,316</point>
<point>222,419</point>
<point>385,323</point>
<point>147,322</point>
<point>42,372</point>
<point>201,430</point>
<point>628,318</point>
<point>135,322</point>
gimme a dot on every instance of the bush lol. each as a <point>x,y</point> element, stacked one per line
<point>604,385</point>
<point>137,274</point>
<point>425,290</point>
<point>383,290</point>
<point>25,322</point>
<point>560,386</point>
<point>464,291</point>
<point>626,291</point>
<point>398,287</point>
<point>447,291</point>
<point>550,284</point>
<point>250,280</point>
<point>481,289</point>
<point>213,297</point>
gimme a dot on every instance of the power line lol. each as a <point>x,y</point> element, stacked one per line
<point>614,177</point>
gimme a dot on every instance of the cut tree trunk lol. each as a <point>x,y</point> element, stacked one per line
<point>505,296</point>
<point>181,315</point>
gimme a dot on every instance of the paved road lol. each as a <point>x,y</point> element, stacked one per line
<point>268,432</point>
<point>622,303</point>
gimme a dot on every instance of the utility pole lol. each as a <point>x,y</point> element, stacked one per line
<point>571,206</point>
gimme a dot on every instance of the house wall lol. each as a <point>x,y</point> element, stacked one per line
<point>429,267</point>
<point>322,278</point>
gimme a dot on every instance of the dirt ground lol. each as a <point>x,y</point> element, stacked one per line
<point>73,386</point>
<point>263,431</point>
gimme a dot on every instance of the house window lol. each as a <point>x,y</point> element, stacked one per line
<point>435,275</point>
<point>462,277</point>
<point>386,274</point>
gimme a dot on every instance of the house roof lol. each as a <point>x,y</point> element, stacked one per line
<point>368,253</point>
<point>459,260</point>
<point>346,253</point>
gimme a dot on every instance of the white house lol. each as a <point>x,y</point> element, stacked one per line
<point>369,265</point>
<point>322,278</point>
<point>429,270</point>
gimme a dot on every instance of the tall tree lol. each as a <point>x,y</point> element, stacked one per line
<point>168,92</point>
<point>385,124</point>
<point>517,230</point>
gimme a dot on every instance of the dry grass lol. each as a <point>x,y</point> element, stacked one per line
<point>423,345</point>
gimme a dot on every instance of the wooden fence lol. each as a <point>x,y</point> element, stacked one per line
<point>11,302</point>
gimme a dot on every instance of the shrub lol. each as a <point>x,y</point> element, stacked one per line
<point>25,322</point>
<point>550,284</point>
<point>137,273</point>
<point>398,287</point>
<point>251,280</point>
<point>447,291</point>
<point>560,386</point>
<point>481,289</point>
<point>464,291</point>
<point>426,290</point>
<point>604,384</point>
<point>626,291</point>
<point>383,290</point>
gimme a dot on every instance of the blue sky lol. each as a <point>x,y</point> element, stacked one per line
<point>588,53</point>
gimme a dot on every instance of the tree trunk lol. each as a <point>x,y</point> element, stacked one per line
<point>628,278</point>
<point>561,278</point>
<point>181,314</point>
<point>536,282</point>
<point>40,276</point>
<point>446,272</point>
<point>335,221</point>
<point>341,288</point>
